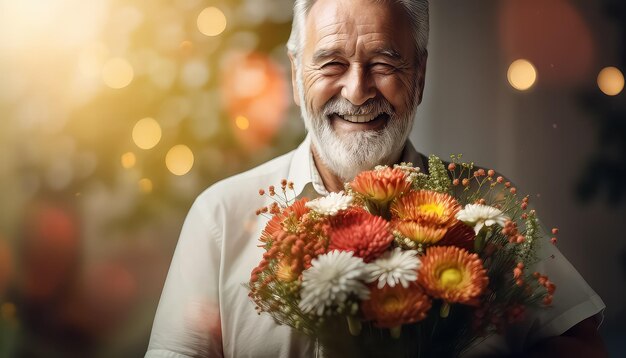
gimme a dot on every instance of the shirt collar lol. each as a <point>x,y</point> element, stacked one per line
<point>306,179</point>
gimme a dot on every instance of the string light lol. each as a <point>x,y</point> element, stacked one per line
<point>242,123</point>
<point>179,160</point>
<point>128,160</point>
<point>522,75</point>
<point>211,21</point>
<point>145,185</point>
<point>147,133</point>
<point>117,73</point>
<point>611,81</point>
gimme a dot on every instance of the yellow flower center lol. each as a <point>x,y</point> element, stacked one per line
<point>451,277</point>
<point>391,303</point>
<point>431,208</point>
<point>284,272</point>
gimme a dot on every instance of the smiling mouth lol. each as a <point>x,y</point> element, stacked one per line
<point>362,118</point>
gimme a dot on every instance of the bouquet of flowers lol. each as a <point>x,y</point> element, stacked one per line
<point>401,263</point>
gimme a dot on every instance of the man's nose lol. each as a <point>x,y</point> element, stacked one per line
<point>358,86</point>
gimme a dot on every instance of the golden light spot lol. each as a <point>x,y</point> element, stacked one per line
<point>117,73</point>
<point>611,81</point>
<point>146,133</point>
<point>432,208</point>
<point>242,123</point>
<point>211,21</point>
<point>522,75</point>
<point>145,185</point>
<point>179,160</point>
<point>128,160</point>
<point>450,277</point>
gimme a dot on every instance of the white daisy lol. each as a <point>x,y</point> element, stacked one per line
<point>481,215</point>
<point>330,280</point>
<point>393,267</point>
<point>330,204</point>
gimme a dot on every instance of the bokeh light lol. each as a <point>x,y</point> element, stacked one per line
<point>179,159</point>
<point>145,185</point>
<point>128,160</point>
<point>109,289</point>
<point>211,21</point>
<point>254,87</point>
<point>522,75</point>
<point>611,81</point>
<point>242,123</point>
<point>554,35</point>
<point>117,73</point>
<point>194,74</point>
<point>50,250</point>
<point>147,133</point>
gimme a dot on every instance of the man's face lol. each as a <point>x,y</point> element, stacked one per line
<point>359,83</point>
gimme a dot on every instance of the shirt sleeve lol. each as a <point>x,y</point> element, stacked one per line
<point>187,321</point>
<point>574,301</point>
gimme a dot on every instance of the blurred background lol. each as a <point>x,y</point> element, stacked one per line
<point>116,114</point>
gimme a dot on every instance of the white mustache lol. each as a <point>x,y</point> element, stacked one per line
<point>343,107</point>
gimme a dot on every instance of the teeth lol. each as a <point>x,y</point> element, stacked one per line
<point>360,118</point>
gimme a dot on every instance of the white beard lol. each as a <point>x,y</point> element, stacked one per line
<point>349,154</point>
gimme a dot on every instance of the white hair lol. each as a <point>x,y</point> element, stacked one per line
<point>416,10</point>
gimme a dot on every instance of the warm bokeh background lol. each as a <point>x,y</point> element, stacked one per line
<point>115,114</point>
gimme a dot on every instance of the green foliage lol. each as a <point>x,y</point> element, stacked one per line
<point>438,178</point>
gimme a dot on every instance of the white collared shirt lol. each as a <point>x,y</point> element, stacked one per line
<point>205,310</point>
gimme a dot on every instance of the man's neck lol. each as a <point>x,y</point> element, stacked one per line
<point>331,181</point>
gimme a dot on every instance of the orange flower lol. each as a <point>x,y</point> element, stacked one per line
<point>427,207</point>
<point>390,306</point>
<point>452,274</point>
<point>424,216</point>
<point>360,232</point>
<point>418,233</point>
<point>381,185</point>
<point>293,212</point>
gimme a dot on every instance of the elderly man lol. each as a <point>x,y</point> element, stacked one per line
<point>358,75</point>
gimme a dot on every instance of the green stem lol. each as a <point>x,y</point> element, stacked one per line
<point>395,332</point>
<point>445,310</point>
<point>479,242</point>
<point>354,325</point>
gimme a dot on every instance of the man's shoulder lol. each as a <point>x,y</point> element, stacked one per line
<point>248,183</point>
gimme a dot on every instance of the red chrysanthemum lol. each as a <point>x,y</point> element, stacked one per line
<point>293,213</point>
<point>366,235</point>
<point>460,235</point>
<point>452,274</point>
<point>390,307</point>
<point>381,185</point>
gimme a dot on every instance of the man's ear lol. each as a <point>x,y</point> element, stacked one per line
<point>421,76</point>
<point>294,83</point>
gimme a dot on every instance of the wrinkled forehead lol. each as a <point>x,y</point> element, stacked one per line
<point>330,21</point>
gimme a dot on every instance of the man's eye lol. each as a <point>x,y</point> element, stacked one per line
<point>333,67</point>
<point>383,67</point>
